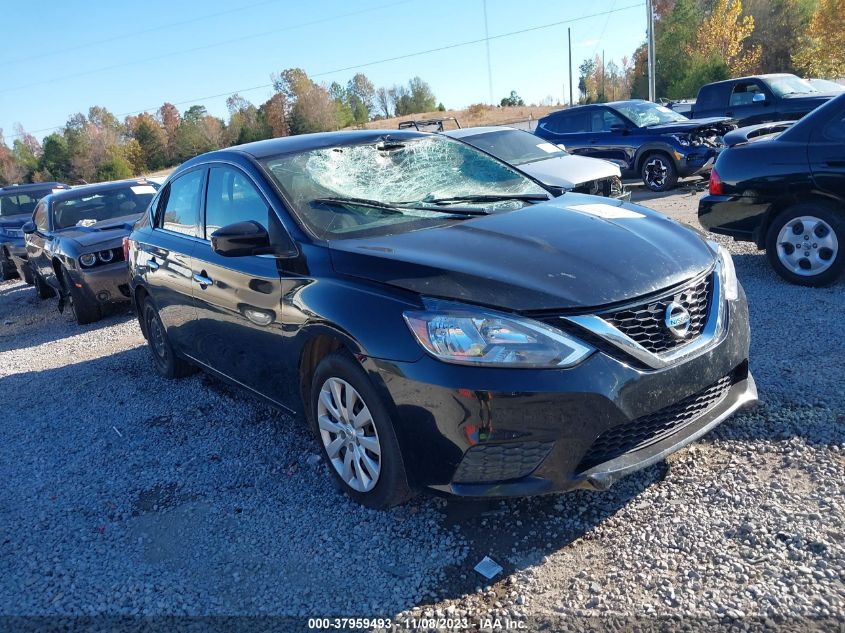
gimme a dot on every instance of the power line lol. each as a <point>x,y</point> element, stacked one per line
<point>151,29</point>
<point>376,62</point>
<point>242,38</point>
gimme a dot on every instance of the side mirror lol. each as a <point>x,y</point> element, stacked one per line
<point>29,227</point>
<point>241,239</point>
<point>619,128</point>
<point>758,97</point>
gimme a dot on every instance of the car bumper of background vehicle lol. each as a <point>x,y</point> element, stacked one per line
<point>104,284</point>
<point>696,161</point>
<point>732,215</point>
<point>502,432</point>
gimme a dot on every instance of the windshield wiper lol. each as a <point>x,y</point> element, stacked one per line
<point>527,197</point>
<point>396,207</point>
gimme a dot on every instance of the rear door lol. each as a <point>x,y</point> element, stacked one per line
<point>239,299</point>
<point>569,128</point>
<point>164,258</point>
<point>826,152</point>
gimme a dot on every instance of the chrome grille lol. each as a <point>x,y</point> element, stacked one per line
<point>650,429</point>
<point>646,325</point>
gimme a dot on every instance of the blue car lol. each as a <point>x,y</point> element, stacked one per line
<point>17,202</point>
<point>643,138</point>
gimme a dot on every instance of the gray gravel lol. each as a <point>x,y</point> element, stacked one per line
<point>125,493</point>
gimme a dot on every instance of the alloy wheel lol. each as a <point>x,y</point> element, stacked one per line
<point>656,172</point>
<point>349,434</point>
<point>807,246</point>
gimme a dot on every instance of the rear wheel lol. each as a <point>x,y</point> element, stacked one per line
<point>7,268</point>
<point>27,274</point>
<point>167,363</point>
<point>356,433</point>
<point>805,244</point>
<point>44,290</point>
<point>658,172</point>
<point>84,311</point>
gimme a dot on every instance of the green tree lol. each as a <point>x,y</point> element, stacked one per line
<point>361,97</point>
<point>55,157</point>
<point>422,97</point>
<point>779,27</point>
<point>512,100</point>
<point>676,35</point>
<point>115,166</point>
<point>822,53</point>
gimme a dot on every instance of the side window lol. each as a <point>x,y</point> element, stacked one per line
<point>603,120</point>
<point>743,93</point>
<point>713,97</point>
<point>179,206</point>
<point>40,217</point>
<point>232,197</point>
<point>573,123</point>
<point>835,129</point>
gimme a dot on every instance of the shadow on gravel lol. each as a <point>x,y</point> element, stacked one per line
<point>520,533</point>
<point>640,194</point>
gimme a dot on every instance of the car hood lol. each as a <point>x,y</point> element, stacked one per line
<point>569,253</point>
<point>14,221</point>
<point>720,124</point>
<point>815,98</point>
<point>569,171</point>
<point>105,231</point>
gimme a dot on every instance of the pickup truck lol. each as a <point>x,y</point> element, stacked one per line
<point>759,99</point>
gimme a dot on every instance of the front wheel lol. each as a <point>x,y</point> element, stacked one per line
<point>27,274</point>
<point>44,290</point>
<point>84,311</point>
<point>804,244</point>
<point>659,172</point>
<point>356,433</point>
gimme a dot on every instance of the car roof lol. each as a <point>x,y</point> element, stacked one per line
<point>473,131</point>
<point>100,187</point>
<point>750,77</point>
<point>593,105</point>
<point>34,186</point>
<point>305,142</point>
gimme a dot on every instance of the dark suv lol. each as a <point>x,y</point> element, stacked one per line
<point>643,138</point>
<point>439,318</point>
<point>759,99</point>
<point>17,202</point>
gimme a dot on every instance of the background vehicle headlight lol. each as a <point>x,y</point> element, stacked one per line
<point>460,334</point>
<point>729,280</point>
<point>682,139</point>
<point>106,256</point>
<point>88,259</point>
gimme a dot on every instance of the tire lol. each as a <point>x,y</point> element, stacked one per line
<point>42,288</point>
<point>819,227</point>
<point>7,268</point>
<point>167,363</point>
<point>356,449</point>
<point>658,172</point>
<point>84,311</point>
<point>27,274</point>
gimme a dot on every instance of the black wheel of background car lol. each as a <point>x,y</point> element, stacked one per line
<point>805,243</point>
<point>27,274</point>
<point>356,433</point>
<point>658,172</point>
<point>44,290</point>
<point>83,310</point>
<point>7,269</point>
<point>166,361</point>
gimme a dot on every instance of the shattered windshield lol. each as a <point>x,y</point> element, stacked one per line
<point>397,185</point>
<point>645,113</point>
<point>515,146</point>
<point>87,210</point>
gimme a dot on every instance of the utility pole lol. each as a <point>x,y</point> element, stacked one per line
<point>569,36</point>
<point>603,93</point>
<point>651,89</point>
<point>487,42</point>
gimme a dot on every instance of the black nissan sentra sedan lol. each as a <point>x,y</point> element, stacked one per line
<point>74,244</point>
<point>441,321</point>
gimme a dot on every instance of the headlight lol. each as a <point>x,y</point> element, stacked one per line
<point>464,335</point>
<point>88,259</point>
<point>729,281</point>
<point>106,256</point>
<point>682,139</point>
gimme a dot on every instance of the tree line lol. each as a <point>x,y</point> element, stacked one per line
<point>98,146</point>
<point>700,41</point>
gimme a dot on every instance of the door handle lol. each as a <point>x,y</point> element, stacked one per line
<point>835,162</point>
<point>153,265</point>
<point>203,280</point>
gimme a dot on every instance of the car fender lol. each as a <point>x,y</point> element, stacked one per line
<point>654,146</point>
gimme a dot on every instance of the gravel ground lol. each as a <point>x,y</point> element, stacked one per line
<point>128,494</point>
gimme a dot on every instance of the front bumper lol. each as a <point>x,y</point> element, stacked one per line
<point>502,432</point>
<point>103,284</point>
<point>696,160</point>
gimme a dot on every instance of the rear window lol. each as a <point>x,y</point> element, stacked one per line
<point>710,98</point>
<point>515,146</point>
<point>20,203</point>
<point>569,123</point>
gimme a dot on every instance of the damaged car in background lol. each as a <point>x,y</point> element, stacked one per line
<point>645,139</point>
<point>74,244</point>
<point>550,164</point>
<point>438,317</point>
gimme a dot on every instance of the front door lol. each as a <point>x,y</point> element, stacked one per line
<point>826,152</point>
<point>239,299</point>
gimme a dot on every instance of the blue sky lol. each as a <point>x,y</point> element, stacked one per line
<point>58,59</point>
